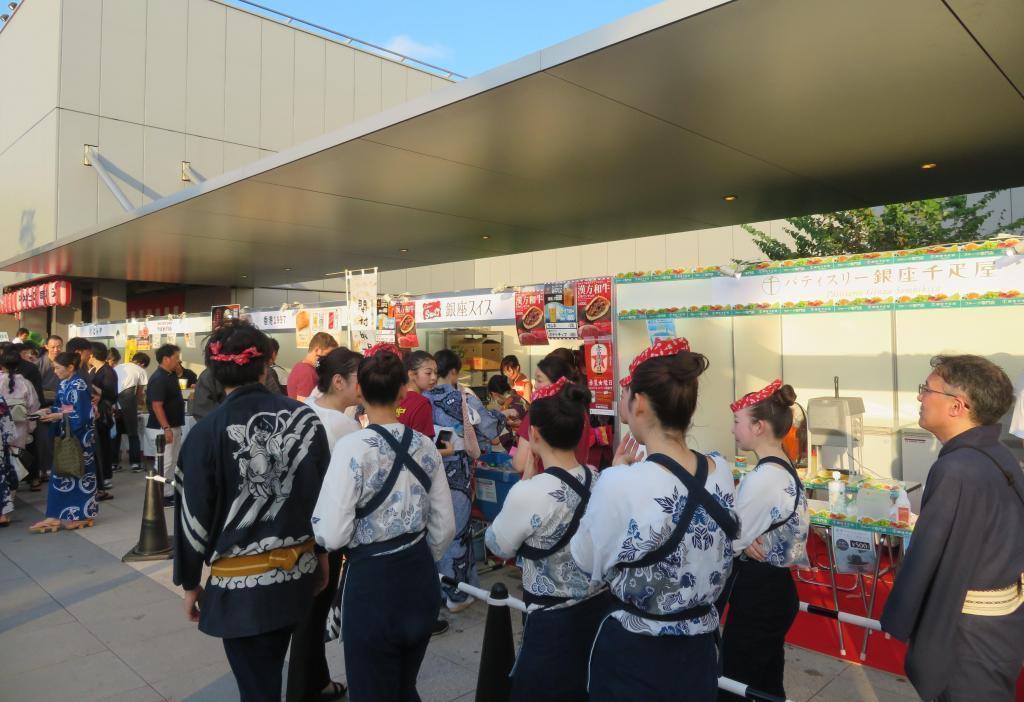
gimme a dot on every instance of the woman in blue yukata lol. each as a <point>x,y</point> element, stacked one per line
<point>457,409</point>
<point>539,517</point>
<point>8,478</point>
<point>660,533</point>
<point>773,508</point>
<point>71,502</point>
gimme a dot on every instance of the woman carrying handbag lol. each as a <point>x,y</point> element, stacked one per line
<point>71,499</point>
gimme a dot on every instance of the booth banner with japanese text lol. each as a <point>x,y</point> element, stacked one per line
<point>385,322</point>
<point>273,320</point>
<point>530,317</point>
<point>362,302</point>
<point>482,308</point>
<point>599,356</point>
<point>405,324</point>
<point>56,293</point>
<point>594,307</point>
<point>560,310</point>
<point>963,275</point>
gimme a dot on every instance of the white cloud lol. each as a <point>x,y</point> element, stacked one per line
<point>407,46</point>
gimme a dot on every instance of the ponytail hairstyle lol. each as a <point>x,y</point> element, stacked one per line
<point>341,361</point>
<point>381,378</point>
<point>10,359</point>
<point>237,353</point>
<point>560,363</point>
<point>561,418</point>
<point>69,359</point>
<point>670,385</point>
<point>776,410</point>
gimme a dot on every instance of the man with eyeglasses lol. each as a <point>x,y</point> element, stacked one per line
<point>958,597</point>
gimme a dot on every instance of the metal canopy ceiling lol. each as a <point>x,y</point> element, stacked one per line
<point>637,128</point>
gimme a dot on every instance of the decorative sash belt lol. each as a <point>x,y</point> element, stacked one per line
<point>995,603</point>
<point>240,566</point>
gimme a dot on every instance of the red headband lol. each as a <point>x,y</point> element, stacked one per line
<point>241,359</point>
<point>382,346</point>
<point>549,390</point>
<point>665,347</point>
<point>751,399</point>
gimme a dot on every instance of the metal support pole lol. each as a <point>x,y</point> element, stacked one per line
<point>92,157</point>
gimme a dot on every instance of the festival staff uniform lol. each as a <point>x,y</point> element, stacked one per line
<point>247,482</point>
<point>958,596</point>
<point>582,450</point>
<point>771,504</point>
<point>458,562</point>
<point>416,412</point>
<point>7,474</point>
<point>386,502</point>
<point>536,522</point>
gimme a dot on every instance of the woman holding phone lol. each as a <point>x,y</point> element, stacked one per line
<point>71,502</point>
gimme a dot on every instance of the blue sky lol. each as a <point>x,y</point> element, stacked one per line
<point>466,37</point>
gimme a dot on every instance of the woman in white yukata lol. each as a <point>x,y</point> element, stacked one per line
<point>773,510</point>
<point>309,677</point>
<point>660,533</point>
<point>536,522</point>
<point>386,502</point>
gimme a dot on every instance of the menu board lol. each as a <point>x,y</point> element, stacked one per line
<point>594,307</point>
<point>560,310</point>
<point>405,324</point>
<point>530,317</point>
<point>144,340</point>
<point>599,356</point>
<point>328,320</point>
<point>385,322</point>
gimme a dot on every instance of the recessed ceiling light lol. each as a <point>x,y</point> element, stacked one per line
<point>244,275</point>
<point>403,251</point>
<point>485,237</point>
<point>928,166</point>
<point>287,269</point>
<point>729,198</point>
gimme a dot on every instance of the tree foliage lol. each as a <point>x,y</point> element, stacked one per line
<point>905,225</point>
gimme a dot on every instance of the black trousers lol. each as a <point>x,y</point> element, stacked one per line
<point>762,607</point>
<point>104,450</point>
<point>128,426</point>
<point>627,667</point>
<point>989,655</point>
<point>257,663</point>
<point>389,605</point>
<point>308,673</point>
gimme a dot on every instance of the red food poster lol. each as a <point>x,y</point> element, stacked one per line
<point>600,374</point>
<point>530,317</point>
<point>405,325</point>
<point>594,307</point>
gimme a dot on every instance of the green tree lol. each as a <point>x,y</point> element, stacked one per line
<point>905,225</point>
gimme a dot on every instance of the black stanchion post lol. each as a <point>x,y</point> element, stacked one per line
<point>498,652</point>
<point>154,545</point>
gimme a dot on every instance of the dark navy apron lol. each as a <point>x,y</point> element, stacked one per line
<point>365,564</point>
<point>628,666</point>
<point>552,660</point>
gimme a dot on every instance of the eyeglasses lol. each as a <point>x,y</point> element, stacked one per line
<point>923,388</point>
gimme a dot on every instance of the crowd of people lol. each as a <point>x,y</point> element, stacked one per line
<point>327,508</point>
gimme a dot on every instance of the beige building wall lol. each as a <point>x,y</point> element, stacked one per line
<point>153,83</point>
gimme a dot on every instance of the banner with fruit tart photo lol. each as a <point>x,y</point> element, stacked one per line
<point>955,275</point>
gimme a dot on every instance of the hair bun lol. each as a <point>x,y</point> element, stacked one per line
<point>785,396</point>
<point>687,365</point>
<point>576,393</point>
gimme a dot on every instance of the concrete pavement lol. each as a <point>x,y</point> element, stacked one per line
<point>76,623</point>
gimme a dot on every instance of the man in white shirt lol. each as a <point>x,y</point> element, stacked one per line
<point>131,390</point>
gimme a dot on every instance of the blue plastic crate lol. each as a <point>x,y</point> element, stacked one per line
<point>493,483</point>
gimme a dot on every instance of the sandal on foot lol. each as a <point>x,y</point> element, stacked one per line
<point>34,486</point>
<point>103,495</point>
<point>78,524</point>
<point>334,691</point>
<point>4,522</point>
<point>47,526</point>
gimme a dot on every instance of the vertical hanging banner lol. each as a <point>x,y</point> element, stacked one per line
<point>405,324</point>
<point>362,305</point>
<point>530,317</point>
<point>144,340</point>
<point>560,310</point>
<point>385,322</point>
<point>594,307</point>
<point>222,313</point>
<point>599,357</point>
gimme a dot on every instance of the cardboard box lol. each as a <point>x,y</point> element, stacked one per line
<point>477,354</point>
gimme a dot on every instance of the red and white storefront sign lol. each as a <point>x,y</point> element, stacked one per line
<point>56,293</point>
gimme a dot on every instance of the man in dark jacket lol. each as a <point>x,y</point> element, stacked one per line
<point>209,393</point>
<point>958,597</point>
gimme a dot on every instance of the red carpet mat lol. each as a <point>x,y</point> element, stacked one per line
<point>821,634</point>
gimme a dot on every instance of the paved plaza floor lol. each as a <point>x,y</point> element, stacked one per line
<point>78,624</point>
